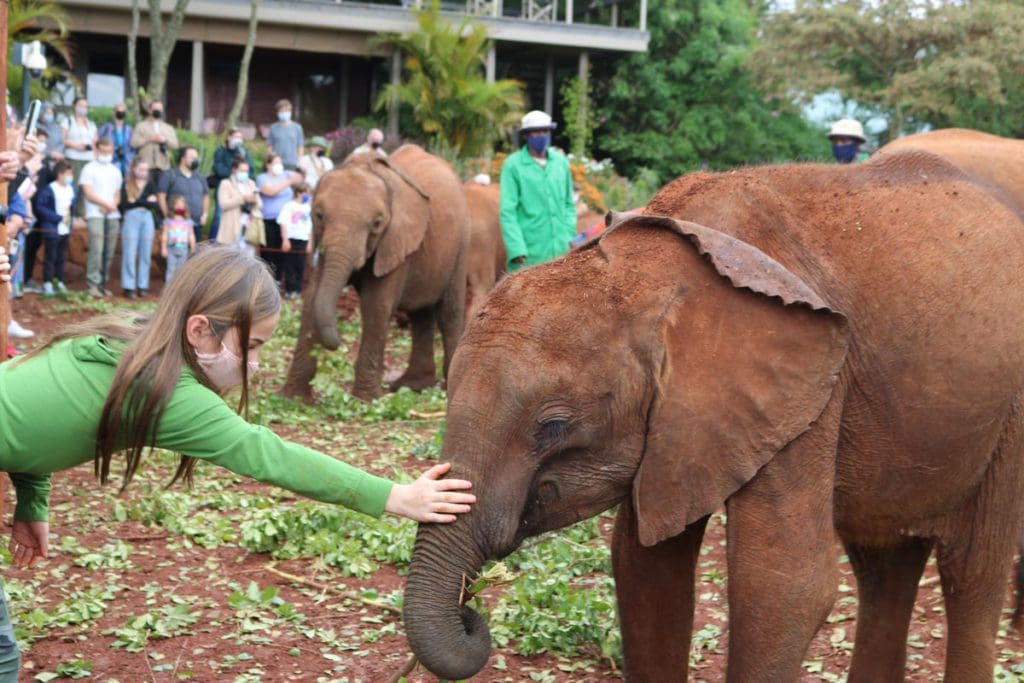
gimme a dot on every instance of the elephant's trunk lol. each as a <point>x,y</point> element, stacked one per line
<point>451,640</point>
<point>336,273</point>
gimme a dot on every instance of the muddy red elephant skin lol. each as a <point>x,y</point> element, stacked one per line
<point>398,230</point>
<point>825,349</point>
<point>486,245</point>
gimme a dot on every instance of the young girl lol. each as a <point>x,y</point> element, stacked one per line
<point>296,238</point>
<point>53,212</point>
<point>131,385</point>
<point>177,239</point>
<point>138,205</point>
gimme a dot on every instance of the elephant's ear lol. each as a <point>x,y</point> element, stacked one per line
<point>750,357</point>
<point>410,217</point>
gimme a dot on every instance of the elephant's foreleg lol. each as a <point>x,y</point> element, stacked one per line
<point>654,588</point>
<point>782,556</point>
<point>302,369</point>
<point>887,581</point>
<point>422,371</point>
<point>377,302</point>
<point>452,311</point>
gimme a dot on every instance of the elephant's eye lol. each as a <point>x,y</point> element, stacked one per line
<point>550,435</point>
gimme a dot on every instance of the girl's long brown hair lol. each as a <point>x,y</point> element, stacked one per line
<point>232,290</point>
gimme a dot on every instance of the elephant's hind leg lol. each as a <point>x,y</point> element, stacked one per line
<point>452,313</point>
<point>654,588</point>
<point>974,556</point>
<point>887,581</point>
<point>422,371</point>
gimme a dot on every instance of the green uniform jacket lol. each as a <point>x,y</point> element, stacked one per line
<point>50,410</point>
<point>538,217</point>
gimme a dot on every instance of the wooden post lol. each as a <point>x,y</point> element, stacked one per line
<point>5,302</point>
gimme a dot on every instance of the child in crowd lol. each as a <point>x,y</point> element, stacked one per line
<point>296,238</point>
<point>54,205</point>
<point>177,239</point>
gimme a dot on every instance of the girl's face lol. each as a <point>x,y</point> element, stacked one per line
<point>201,336</point>
<point>142,170</point>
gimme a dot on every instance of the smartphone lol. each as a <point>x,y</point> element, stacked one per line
<point>32,118</point>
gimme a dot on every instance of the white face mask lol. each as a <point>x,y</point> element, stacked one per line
<point>105,158</point>
<point>224,368</point>
<point>277,169</point>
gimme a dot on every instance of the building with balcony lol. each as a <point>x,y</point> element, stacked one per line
<point>320,54</point>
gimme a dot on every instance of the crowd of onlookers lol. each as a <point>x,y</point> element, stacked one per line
<point>137,186</point>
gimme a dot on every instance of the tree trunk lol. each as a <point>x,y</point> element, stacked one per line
<point>161,45</point>
<point>133,69</point>
<point>243,71</point>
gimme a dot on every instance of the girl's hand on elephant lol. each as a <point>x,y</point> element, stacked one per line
<point>430,498</point>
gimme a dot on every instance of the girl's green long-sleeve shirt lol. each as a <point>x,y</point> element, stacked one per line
<point>50,409</point>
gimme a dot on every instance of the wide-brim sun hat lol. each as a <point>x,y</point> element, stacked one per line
<point>847,128</point>
<point>536,120</point>
<point>318,141</point>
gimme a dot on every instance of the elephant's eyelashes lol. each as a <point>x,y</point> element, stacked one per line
<point>550,436</point>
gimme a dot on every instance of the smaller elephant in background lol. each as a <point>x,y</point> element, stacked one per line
<point>397,229</point>
<point>486,245</point>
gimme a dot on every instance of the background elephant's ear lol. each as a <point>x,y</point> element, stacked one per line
<point>410,216</point>
<point>750,357</point>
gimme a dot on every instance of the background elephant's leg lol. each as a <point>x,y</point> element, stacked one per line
<point>452,312</point>
<point>886,588</point>
<point>422,371</point>
<point>974,556</point>
<point>654,588</point>
<point>302,369</point>
<point>376,306</point>
<point>1018,613</point>
<point>783,560</point>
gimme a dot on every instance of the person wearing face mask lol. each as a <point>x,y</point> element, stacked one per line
<point>138,205</point>
<point>374,143</point>
<point>275,186</point>
<point>296,238</point>
<point>177,239</point>
<point>54,207</point>
<point>154,140</point>
<point>286,137</point>
<point>315,164</point>
<point>54,133</point>
<point>126,385</point>
<point>847,136</point>
<point>120,131</point>
<point>101,182</point>
<point>80,138</point>
<point>538,215</point>
<point>186,180</point>
<point>224,158</point>
<point>240,203</point>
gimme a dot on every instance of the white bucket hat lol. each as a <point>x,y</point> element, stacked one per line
<point>536,120</point>
<point>847,128</point>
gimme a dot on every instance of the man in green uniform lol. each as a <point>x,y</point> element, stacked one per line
<point>538,217</point>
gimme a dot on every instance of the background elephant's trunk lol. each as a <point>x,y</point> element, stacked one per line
<point>336,273</point>
<point>453,642</point>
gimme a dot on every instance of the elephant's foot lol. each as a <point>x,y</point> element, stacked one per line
<point>300,391</point>
<point>414,382</point>
<point>367,393</point>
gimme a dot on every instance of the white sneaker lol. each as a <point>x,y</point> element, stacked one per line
<point>61,287</point>
<point>18,332</point>
<point>48,289</point>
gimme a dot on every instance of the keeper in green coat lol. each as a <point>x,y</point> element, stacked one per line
<point>538,215</point>
<point>107,390</point>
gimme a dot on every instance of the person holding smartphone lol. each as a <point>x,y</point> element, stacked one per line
<point>80,137</point>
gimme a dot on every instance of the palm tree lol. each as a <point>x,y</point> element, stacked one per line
<point>451,100</point>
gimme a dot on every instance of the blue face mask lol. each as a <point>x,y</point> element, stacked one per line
<point>69,180</point>
<point>284,116</point>
<point>539,143</point>
<point>845,154</point>
<point>305,198</point>
<point>242,176</point>
<point>48,117</point>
